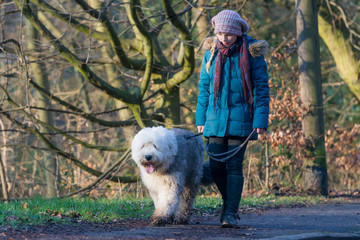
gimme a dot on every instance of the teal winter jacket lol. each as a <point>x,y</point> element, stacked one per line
<point>231,116</point>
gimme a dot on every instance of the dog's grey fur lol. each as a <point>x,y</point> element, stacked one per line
<point>170,164</point>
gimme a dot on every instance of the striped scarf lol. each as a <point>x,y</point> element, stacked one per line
<point>222,54</point>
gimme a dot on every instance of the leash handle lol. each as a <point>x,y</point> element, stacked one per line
<point>220,157</point>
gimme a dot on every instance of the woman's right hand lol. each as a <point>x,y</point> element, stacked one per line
<point>200,129</point>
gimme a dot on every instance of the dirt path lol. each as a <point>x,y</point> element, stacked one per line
<point>325,221</point>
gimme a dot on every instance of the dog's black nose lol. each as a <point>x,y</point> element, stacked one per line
<point>148,157</point>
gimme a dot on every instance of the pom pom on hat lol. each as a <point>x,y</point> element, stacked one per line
<point>228,21</point>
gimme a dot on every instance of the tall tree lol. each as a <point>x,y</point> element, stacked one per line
<point>39,75</point>
<point>142,76</point>
<point>153,64</point>
<point>3,180</point>
<point>315,171</point>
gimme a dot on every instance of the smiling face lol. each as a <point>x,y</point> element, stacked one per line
<point>154,149</point>
<point>226,39</point>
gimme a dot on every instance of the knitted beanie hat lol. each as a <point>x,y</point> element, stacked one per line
<point>228,21</point>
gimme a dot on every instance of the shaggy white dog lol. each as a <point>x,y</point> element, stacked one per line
<point>170,163</point>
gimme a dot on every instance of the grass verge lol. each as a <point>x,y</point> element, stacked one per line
<point>42,211</point>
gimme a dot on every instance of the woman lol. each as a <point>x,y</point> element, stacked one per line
<point>233,100</point>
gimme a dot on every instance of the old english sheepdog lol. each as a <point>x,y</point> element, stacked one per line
<point>170,163</point>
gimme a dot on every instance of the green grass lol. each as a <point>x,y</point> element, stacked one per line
<point>41,211</point>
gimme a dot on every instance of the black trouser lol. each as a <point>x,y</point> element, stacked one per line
<point>233,166</point>
<point>228,176</point>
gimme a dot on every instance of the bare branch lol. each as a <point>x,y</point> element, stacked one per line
<point>351,31</point>
<point>133,5</point>
<point>81,66</point>
<point>114,40</point>
<point>68,18</point>
<point>69,156</point>
<point>189,56</point>
<point>47,126</point>
<point>106,174</point>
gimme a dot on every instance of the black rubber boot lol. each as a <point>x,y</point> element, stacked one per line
<point>234,189</point>
<point>206,177</point>
<point>221,185</point>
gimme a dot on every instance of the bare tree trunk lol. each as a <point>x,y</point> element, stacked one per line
<point>3,172</point>
<point>172,104</point>
<point>3,180</point>
<point>267,165</point>
<point>315,172</point>
<point>4,148</point>
<point>202,21</point>
<point>39,75</point>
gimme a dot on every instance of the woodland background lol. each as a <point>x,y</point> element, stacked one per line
<point>79,78</point>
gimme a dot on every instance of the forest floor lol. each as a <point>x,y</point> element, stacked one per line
<point>322,221</point>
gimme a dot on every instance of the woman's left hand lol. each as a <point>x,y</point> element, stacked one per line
<point>260,130</point>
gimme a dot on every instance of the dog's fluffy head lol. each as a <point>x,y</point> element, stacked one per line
<point>154,149</point>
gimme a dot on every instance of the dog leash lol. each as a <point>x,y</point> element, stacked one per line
<point>222,157</point>
<point>192,136</point>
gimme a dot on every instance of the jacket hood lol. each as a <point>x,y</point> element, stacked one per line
<point>257,48</point>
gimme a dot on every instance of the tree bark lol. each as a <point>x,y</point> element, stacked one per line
<point>315,171</point>
<point>202,21</point>
<point>3,165</point>
<point>341,50</point>
<point>3,180</point>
